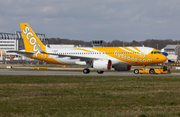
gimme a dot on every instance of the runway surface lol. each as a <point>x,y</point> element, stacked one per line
<point>71,73</point>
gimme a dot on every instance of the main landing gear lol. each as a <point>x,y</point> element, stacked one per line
<point>86,71</point>
<point>100,72</point>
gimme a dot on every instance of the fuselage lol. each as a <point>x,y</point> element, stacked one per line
<point>118,55</point>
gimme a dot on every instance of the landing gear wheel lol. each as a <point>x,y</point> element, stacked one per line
<point>151,71</point>
<point>136,71</point>
<point>100,72</point>
<point>86,71</point>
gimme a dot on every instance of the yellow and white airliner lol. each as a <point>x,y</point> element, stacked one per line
<point>99,58</point>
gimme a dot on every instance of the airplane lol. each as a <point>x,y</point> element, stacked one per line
<point>100,58</point>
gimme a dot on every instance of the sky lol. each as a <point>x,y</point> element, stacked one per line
<point>87,20</point>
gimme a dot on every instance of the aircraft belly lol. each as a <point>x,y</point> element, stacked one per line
<point>66,61</point>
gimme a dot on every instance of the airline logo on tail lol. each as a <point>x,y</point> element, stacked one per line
<point>30,39</point>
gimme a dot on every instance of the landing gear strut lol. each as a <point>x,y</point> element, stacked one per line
<point>86,70</point>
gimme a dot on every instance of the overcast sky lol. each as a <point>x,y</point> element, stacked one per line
<point>89,20</point>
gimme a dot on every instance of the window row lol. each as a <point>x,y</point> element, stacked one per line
<point>7,45</point>
<point>7,41</point>
<point>99,53</point>
<point>6,48</point>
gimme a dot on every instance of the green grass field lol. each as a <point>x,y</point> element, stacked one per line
<point>91,96</point>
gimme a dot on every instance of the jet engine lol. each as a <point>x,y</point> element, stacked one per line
<point>102,65</point>
<point>122,67</point>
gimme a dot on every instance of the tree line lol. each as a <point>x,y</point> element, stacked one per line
<point>154,43</point>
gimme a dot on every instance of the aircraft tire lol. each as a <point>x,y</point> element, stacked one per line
<point>136,71</point>
<point>100,72</point>
<point>86,71</point>
<point>151,71</point>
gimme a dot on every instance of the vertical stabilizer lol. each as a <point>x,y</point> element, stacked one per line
<point>30,39</point>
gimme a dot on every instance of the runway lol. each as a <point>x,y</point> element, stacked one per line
<point>74,73</point>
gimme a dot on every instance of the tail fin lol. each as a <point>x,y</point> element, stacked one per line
<point>30,39</point>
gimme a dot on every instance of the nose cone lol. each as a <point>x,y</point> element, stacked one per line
<point>160,58</point>
<point>163,58</point>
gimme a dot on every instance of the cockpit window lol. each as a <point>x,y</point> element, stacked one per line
<point>155,52</point>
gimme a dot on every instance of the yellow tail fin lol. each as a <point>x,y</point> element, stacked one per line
<point>30,39</point>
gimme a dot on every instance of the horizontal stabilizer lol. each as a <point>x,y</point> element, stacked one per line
<point>22,52</point>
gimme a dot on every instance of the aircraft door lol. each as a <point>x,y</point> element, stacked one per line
<point>101,54</point>
<point>142,53</point>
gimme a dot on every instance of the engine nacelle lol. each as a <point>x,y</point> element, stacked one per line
<point>122,67</point>
<point>102,65</point>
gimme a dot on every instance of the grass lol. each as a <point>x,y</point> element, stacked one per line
<point>91,96</point>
